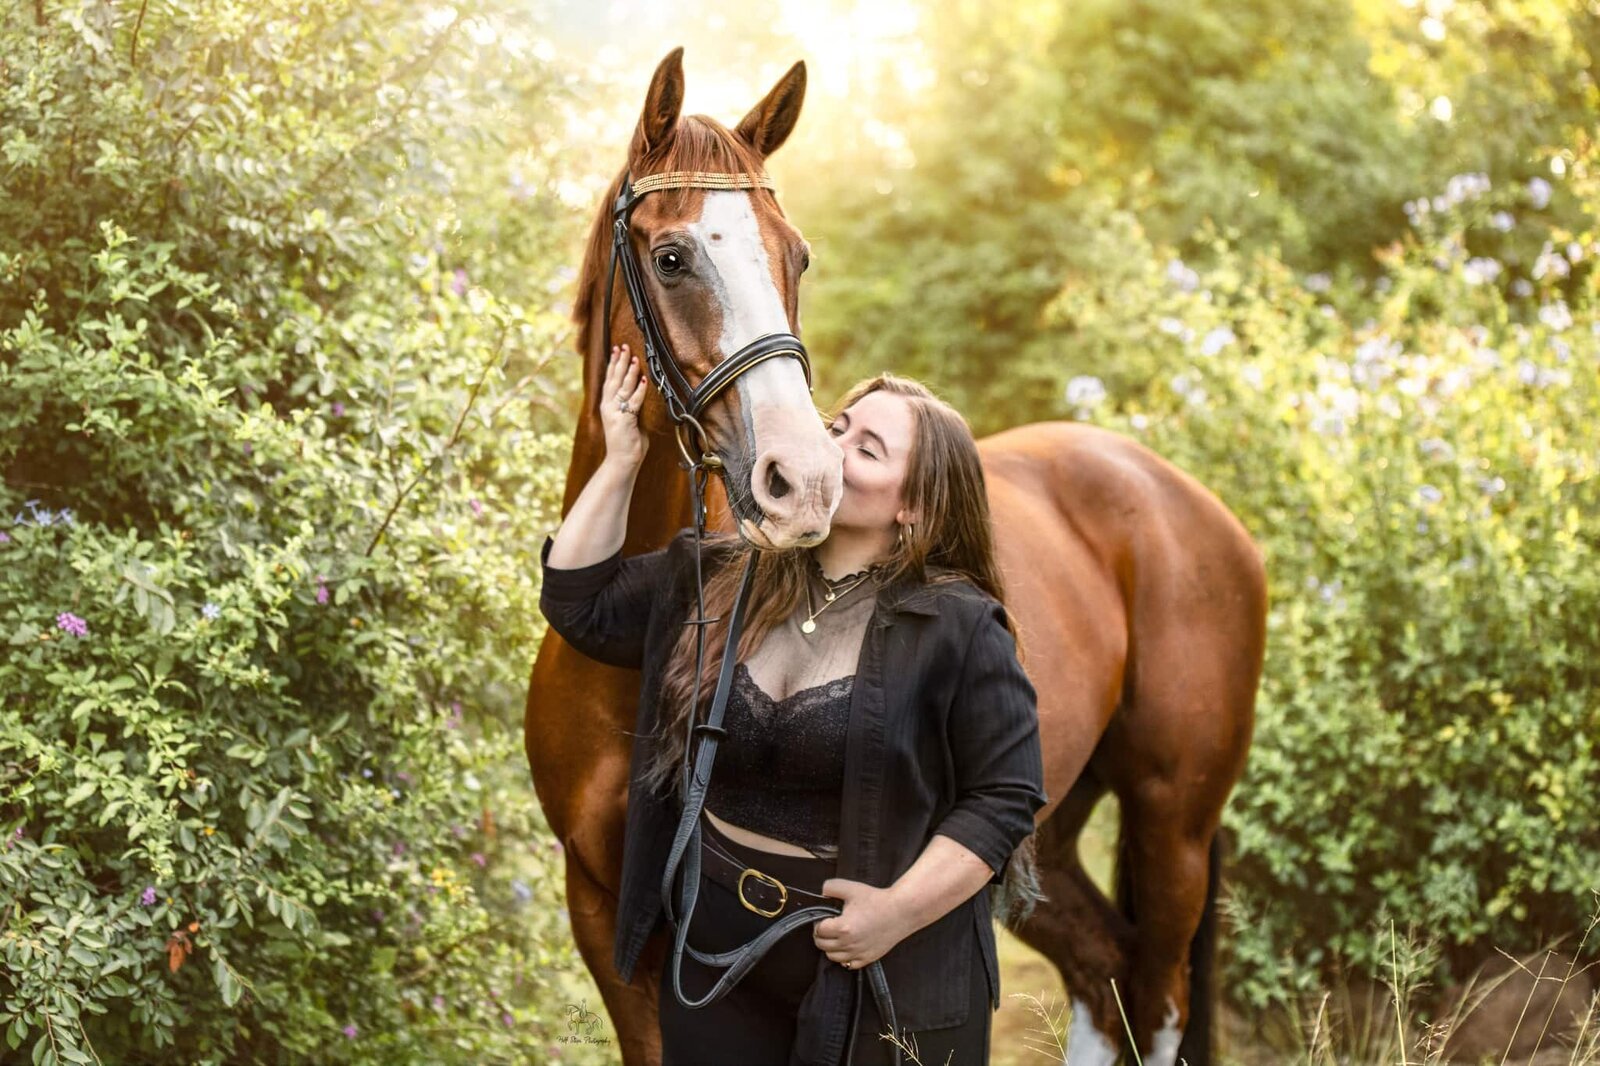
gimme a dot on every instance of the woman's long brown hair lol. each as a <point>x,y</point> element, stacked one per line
<point>954,541</point>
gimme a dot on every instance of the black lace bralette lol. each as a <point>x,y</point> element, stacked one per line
<point>780,770</point>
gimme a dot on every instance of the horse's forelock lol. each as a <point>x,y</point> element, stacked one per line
<point>700,143</point>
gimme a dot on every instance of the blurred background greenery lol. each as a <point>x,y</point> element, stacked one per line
<point>286,393</point>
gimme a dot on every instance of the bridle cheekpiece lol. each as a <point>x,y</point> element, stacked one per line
<point>685,402</point>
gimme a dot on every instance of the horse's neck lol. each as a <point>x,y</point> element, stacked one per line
<point>661,504</point>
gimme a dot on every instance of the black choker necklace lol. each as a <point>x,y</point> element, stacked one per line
<point>844,579</point>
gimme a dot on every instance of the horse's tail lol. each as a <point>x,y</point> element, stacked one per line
<point>1195,1047</point>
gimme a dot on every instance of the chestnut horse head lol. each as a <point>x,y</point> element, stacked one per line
<point>718,267</point>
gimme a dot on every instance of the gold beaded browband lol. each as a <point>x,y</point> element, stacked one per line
<point>700,179</point>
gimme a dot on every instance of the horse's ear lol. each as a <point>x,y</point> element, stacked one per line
<point>661,106</point>
<point>771,121</point>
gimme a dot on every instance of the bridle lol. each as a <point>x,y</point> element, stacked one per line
<point>685,402</point>
<point>685,405</point>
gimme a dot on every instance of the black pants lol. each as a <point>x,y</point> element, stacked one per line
<point>754,1023</point>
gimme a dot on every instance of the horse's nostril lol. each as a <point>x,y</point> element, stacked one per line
<point>777,486</point>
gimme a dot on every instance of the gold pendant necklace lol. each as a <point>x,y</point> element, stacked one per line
<point>809,626</point>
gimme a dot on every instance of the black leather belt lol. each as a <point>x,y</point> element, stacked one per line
<point>757,890</point>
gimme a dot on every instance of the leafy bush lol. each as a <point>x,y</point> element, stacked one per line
<point>1416,459</point>
<point>270,471</point>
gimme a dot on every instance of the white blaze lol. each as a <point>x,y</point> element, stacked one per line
<point>729,235</point>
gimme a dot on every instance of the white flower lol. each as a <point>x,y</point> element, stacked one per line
<point>1556,316</point>
<point>1454,380</point>
<point>1574,251</point>
<point>1550,262</point>
<point>1522,287</point>
<point>1085,392</point>
<point>1527,371</point>
<point>1216,340</point>
<point>1502,221</point>
<point>1182,276</point>
<point>1480,269</point>
<point>1192,391</point>
<point>1429,494</point>
<point>1539,193</point>
<point>1250,374</point>
<point>1435,448</point>
<point>1318,283</point>
<point>1492,485</point>
<point>1377,349</point>
<point>1464,187</point>
<point>1138,421</point>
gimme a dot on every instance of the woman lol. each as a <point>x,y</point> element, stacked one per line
<point>882,744</point>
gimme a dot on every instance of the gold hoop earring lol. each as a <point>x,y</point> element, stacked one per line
<point>906,533</point>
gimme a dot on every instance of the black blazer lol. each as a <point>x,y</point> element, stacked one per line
<point>943,738</point>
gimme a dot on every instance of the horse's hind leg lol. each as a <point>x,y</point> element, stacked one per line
<point>1079,930</point>
<point>1166,857</point>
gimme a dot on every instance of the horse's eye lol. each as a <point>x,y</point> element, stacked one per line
<point>669,264</point>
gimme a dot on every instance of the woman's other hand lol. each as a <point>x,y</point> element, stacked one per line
<point>865,929</point>
<point>621,397</point>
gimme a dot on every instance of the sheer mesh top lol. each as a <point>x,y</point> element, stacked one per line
<point>780,770</point>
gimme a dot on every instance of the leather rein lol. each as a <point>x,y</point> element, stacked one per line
<point>685,405</point>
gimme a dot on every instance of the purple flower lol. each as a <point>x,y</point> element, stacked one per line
<point>148,897</point>
<point>399,848</point>
<point>211,611</point>
<point>508,1019</point>
<point>477,508</point>
<point>458,282</point>
<point>5,538</point>
<point>520,889</point>
<point>338,409</point>
<point>322,590</point>
<point>438,1002</point>
<point>454,721</point>
<point>72,624</point>
<point>403,777</point>
<point>350,1031</point>
<point>478,857</point>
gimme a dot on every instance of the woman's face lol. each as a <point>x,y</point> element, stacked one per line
<point>875,433</point>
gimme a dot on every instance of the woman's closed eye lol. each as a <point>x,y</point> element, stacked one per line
<point>834,431</point>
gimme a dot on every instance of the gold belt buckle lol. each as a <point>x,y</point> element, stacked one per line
<point>783,891</point>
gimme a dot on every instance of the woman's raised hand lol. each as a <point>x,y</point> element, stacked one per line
<point>621,397</point>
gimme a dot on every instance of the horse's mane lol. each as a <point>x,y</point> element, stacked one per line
<point>700,143</point>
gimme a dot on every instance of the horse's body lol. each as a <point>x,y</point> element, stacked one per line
<point>1141,604</point>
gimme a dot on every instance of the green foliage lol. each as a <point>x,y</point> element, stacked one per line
<point>1415,457</point>
<point>270,471</point>
<point>1301,128</point>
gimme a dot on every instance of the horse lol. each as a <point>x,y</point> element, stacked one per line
<point>1139,598</point>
